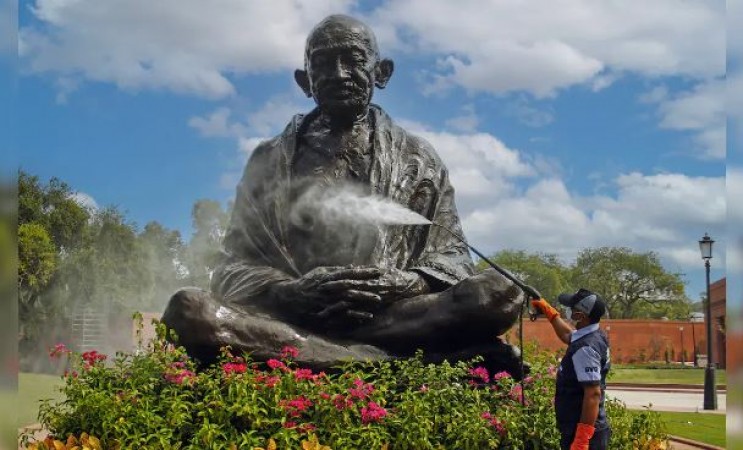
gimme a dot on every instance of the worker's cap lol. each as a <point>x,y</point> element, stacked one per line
<point>586,302</point>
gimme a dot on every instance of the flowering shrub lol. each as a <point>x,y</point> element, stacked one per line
<point>157,399</point>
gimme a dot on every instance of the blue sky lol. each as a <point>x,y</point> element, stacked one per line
<point>565,124</point>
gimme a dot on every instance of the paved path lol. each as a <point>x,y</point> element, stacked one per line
<point>662,400</point>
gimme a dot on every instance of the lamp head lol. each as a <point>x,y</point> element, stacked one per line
<point>705,246</point>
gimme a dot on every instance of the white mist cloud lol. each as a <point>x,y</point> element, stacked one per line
<point>85,200</point>
<point>546,45</point>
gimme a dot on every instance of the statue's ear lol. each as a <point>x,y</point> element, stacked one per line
<point>300,76</point>
<point>384,73</point>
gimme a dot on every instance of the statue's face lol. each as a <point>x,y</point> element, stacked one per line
<point>341,69</point>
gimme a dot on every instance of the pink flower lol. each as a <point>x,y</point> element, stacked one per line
<point>423,388</point>
<point>289,352</point>
<point>496,423</point>
<point>324,395</point>
<point>552,370</point>
<point>304,374</point>
<point>234,368</point>
<point>180,376</point>
<point>501,375</point>
<point>515,394</point>
<point>58,350</point>
<point>275,364</point>
<point>360,390</point>
<point>342,402</point>
<point>480,373</point>
<point>372,413</point>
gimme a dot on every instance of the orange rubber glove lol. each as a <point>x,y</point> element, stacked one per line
<point>545,308</point>
<point>583,435</point>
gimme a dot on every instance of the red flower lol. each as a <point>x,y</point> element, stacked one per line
<point>234,368</point>
<point>304,374</point>
<point>91,357</point>
<point>289,425</point>
<point>180,376</point>
<point>297,406</point>
<point>372,413</point>
<point>289,352</point>
<point>275,364</point>
<point>481,373</point>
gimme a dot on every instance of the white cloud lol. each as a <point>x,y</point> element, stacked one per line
<point>546,45</point>
<point>700,111</point>
<point>186,46</point>
<point>466,122</point>
<point>217,124</point>
<point>190,46</point>
<point>481,167</point>
<point>529,115</point>
<point>665,213</point>
<point>85,200</point>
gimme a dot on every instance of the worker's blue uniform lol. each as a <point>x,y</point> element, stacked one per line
<point>586,362</point>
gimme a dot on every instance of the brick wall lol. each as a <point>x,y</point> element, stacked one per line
<point>630,340</point>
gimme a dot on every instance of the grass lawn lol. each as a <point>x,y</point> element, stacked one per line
<point>709,428</point>
<point>33,387</point>
<point>662,376</point>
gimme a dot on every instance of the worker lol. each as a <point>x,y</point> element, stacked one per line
<point>581,377</point>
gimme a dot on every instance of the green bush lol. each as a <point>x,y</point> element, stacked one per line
<point>157,399</point>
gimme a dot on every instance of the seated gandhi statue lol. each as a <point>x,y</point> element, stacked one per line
<point>368,292</point>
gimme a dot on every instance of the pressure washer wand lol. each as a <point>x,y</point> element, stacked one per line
<point>530,291</point>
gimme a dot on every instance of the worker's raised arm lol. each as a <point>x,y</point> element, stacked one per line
<point>563,330</point>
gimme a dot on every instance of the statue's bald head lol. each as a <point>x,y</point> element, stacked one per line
<point>339,29</point>
<point>342,67</point>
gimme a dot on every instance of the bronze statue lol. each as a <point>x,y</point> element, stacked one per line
<point>333,290</point>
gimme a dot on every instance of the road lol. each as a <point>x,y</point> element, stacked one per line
<point>666,400</point>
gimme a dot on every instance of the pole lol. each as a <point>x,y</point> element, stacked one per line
<point>710,395</point>
<point>683,350</point>
<point>694,342</point>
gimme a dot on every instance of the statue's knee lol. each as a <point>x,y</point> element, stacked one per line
<point>186,302</point>
<point>489,290</point>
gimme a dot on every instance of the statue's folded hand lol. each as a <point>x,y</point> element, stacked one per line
<point>389,285</point>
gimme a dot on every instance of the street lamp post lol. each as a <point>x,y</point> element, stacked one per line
<point>710,394</point>
<point>683,350</point>
<point>694,342</point>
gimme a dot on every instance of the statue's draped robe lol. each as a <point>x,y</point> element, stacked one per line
<point>262,246</point>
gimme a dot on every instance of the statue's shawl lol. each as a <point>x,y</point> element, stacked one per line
<point>404,168</point>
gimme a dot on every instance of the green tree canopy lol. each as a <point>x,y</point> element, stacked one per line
<point>542,271</point>
<point>633,284</point>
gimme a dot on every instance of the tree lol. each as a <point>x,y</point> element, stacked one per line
<point>52,206</point>
<point>542,271</point>
<point>37,261</point>
<point>632,283</point>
